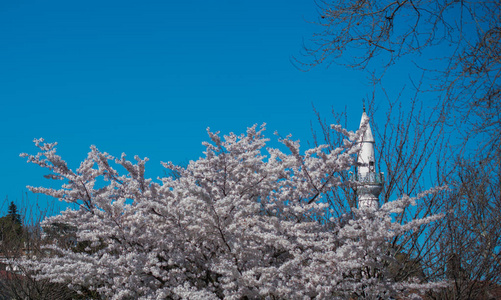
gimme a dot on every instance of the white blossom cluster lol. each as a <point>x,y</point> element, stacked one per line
<point>235,224</point>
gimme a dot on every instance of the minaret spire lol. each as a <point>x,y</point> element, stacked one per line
<point>369,183</point>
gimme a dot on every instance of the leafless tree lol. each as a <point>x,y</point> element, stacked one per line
<point>455,47</point>
<point>470,239</point>
<point>455,44</point>
<point>410,146</point>
<point>415,153</point>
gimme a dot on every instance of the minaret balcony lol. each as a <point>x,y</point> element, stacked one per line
<point>369,178</point>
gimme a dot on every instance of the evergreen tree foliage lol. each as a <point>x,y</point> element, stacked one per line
<point>13,213</point>
<point>11,229</point>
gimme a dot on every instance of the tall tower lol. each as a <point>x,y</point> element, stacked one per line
<point>369,183</point>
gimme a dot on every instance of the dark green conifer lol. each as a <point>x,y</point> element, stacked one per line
<point>13,213</point>
<point>11,228</point>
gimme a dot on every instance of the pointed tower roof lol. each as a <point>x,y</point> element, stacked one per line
<point>366,157</point>
<point>367,137</point>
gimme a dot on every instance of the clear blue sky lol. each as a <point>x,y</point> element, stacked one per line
<point>148,78</point>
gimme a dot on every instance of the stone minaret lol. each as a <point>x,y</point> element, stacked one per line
<point>369,183</point>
